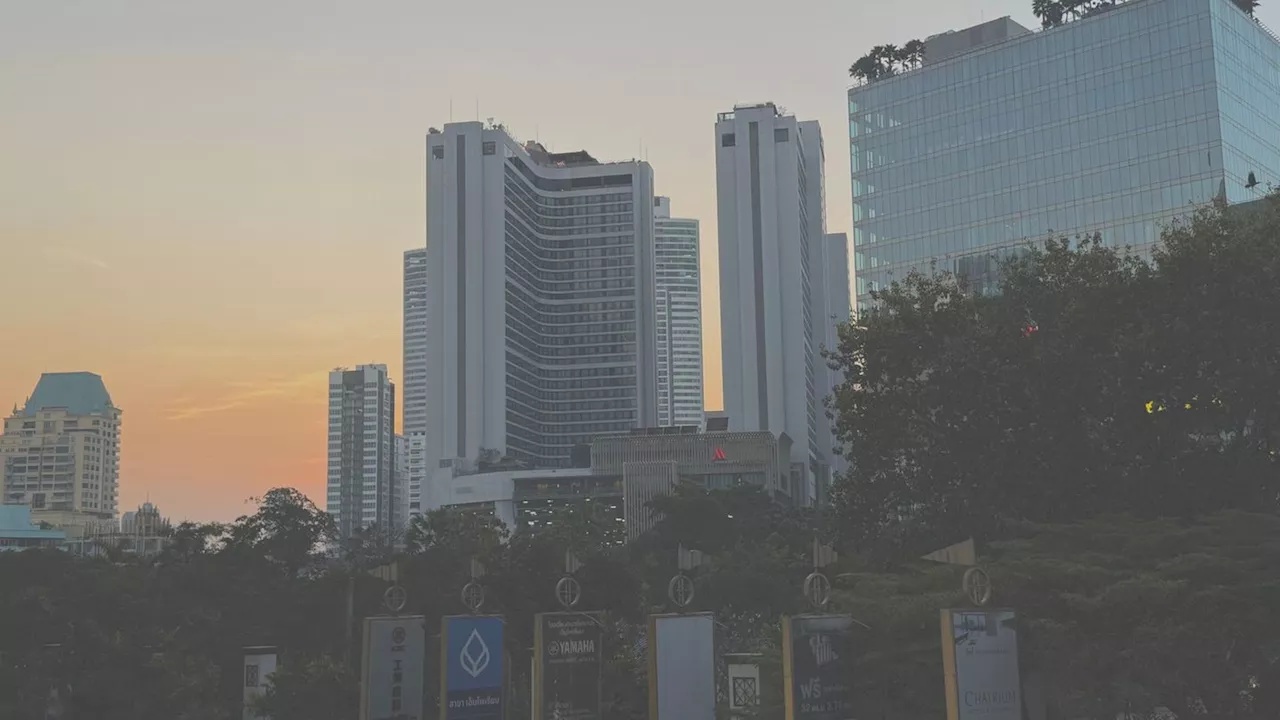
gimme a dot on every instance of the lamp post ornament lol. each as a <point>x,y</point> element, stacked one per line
<point>680,591</point>
<point>568,589</point>
<point>817,586</point>
<point>473,591</point>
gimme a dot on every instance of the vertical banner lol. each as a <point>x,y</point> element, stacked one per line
<point>393,656</point>
<point>259,664</point>
<point>471,668</point>
<point>568,659</point>
<point>817,666</point>
<point>682,667</point>
<point>980,665</point>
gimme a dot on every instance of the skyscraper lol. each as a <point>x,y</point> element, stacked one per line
<point>60,453</point>
<point>540,297</point>
<point>414,383</point>
<point>770,206</point>
<point>1115,123</point>
<point>362,410</point>
<point>679,316</point>
<point>839,309</point>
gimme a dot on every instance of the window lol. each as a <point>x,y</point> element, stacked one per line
<point>781,135</point>
<point>437,152</point>
<point>728,140</point>
<point>489,148</point>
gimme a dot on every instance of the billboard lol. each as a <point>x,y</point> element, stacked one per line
<point>682,667</point>
<point>567,663</point>
<point>817,667</point>
<point>259,664</point>
<point>980,665</point>
<point>471,669</point>
<point>393,655</point>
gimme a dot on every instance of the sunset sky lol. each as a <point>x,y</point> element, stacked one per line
<point>206,202</point>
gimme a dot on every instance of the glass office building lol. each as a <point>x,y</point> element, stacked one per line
<point>1116,123</point>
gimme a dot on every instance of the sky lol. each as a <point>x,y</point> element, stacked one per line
<point>207,202</point>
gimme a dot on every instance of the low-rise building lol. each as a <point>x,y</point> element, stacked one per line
<point>19,532</point>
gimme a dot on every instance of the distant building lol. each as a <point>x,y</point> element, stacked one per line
<point>413,386</point>
<point>418,473</point>
<point>1115,124</point>
<point>60,454</point>
<point>361,479</point>
<point>540,298</point>
<point>401,482</point>
<point>18,531</point>
<point>839,310</point>
<point>626,473</point>
<point>679,316</point>
<point>771,209</point>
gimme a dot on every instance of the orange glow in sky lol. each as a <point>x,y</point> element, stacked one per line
<point>207,203</point>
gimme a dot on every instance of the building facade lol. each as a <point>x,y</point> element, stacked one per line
<point>679,316</point>
<point>413,386</point>
<point>60,453</point>
<point>19,531</point>
<point>839,310</point>
<point>362,467</point>
<point>1114,124</point>
<point>540,291</point>
<point>418,473</point>
<point>770,207</point>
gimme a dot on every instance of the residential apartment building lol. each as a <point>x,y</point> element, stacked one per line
<point>770,202</point>
<point>60,453</point>
<point>678,294</point>
<point>413,386</point>
<point>540,289</point>
<point>1116,124</point>
<point>361,481</point>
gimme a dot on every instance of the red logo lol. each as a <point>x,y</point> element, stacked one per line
<point>718,456</point>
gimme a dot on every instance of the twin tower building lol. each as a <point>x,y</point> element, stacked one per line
<point>562,301</point>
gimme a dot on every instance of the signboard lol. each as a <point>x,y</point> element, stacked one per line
<point>471,668</point>
<point>817,667</point>
<point>567,666</point>
<point>682,667</point>
<point>980,665</point>
<point>259,664</point>
<point>393,655</point>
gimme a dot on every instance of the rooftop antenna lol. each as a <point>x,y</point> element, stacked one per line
<point>477,108</point>
<point>450,108</point>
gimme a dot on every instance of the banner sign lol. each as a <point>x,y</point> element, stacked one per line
<point>567,666</point>
<point>259,665</point>
<point>472,672</point>
<point>394,653</point>
<point>818,667</point>
<point>682,667</point>
<point>980,665</point>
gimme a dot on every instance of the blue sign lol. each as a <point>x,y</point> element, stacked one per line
<point>473,667</point>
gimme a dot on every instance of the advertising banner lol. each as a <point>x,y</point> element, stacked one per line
<point>817,667</point>
<point>980,665</point>
<point>393,657</point>
<point>682,667</point>
<point>567,666</point>
<point>472,672</point>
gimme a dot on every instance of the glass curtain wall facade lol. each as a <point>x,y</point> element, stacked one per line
<point>1114,124</point>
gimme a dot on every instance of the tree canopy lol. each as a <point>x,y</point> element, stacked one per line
<point>1093,382</point>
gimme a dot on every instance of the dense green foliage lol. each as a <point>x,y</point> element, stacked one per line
<point>1092,383</point>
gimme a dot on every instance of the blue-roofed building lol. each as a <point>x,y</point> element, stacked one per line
<point>1116,123</point>
<point>18,531</point>
<point>60,452</point>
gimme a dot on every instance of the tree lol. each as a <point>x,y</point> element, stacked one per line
<point>287,529</point>
<point>319,687</point>
<point>1093,382</point>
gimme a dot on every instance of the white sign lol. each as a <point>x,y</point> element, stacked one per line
<point>394,649</point>
<point>683,649</point>
<point>983,655</point>
<point>259,664</point>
